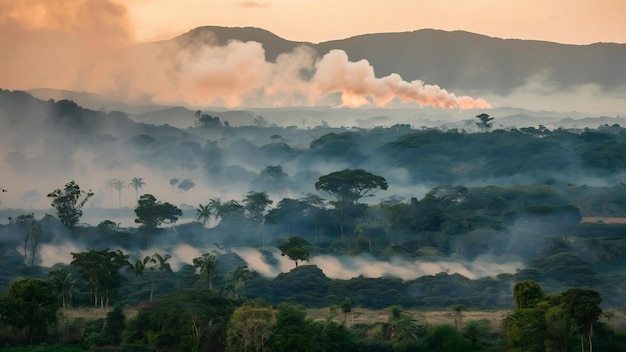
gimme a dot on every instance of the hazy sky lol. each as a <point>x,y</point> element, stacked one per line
<point>564,21</point>
<point>80,45</point>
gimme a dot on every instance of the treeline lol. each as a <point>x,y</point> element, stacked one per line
<point>196,319</point>
<point>539,226</point>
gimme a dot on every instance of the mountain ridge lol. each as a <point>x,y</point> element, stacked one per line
<point>460,61</point>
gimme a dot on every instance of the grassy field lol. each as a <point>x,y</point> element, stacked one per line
<point>616,319</point>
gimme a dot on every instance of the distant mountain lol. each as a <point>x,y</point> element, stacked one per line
<point>456,60</point>
<point>461,62</point>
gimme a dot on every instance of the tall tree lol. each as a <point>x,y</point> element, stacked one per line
<point>69,203</point>
<point>255,204</point>
<point>30,228</point>
<point>137,183</point>
<point>293,248</point>
<point>250,328</point>
<point>63,282</point>
<point>348,186</point>
<point>173,182</point>
<point>118,184</point>
<point>527,294</point>
<point>156,265</point>
<point>235,280</point>
<point>231,211</point>
<point>34,306</point>
<point>583,306</point>
<point>215,206</point>
<point>207,266</point>
<point>203,214</point>
<point>110,182</point>
<point>346,308</point>
<point>152,213</point>
<point>101,271</point>
<point>484,122</point>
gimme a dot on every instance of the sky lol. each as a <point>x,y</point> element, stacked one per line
<point>79,45</point>
<point>563,21</point>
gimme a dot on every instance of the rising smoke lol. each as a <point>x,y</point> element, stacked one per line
<point>85,46</point>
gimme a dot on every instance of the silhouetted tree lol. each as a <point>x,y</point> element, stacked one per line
<point>69,203</point>
<point>293,248</point>
<point>203,214</point>
<point>137,183</point>
<point>348,186</point>
<point>485,121</point>
<point>152,213</point>
<point>207,265</point>
<point>101,271</point>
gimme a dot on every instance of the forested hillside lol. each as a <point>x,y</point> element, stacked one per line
<point>233,222</point>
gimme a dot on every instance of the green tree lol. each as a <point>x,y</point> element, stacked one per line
<point>558,329</point>
<point>526,328</point>
<point>63,283</point>
<point>401,326</point>
<point>255,204</point>
<point>583,306</point>
<point>291,331</point>
<point>348,186</point>
<point>188,320</point>
<point>69,203</point>
<point>346,308</point>
<point>527,294</point>
<point>215,206</point>
<point>444,338</point>
<point>115,324</point>
<point>137,183</point>
<point>34,306</point>
<point>235,280</point>
<point>207,265</point>
<point>101,271</point>
<point>156,265</point>
<point>203,214</point>
<point>231,210</point>
<point>293,248</point>
<point>250,328</point>
<point>152,213</point>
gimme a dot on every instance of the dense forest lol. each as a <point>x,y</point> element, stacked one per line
<point>396,218</point>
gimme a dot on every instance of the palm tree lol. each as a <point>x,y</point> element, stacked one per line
<point>110,182</point>
<point>64,283</point>
<point>236,279</point>
<point>137,183</point>
<point>207,264</point>
<point>215,205</point>
<point>155,264</point>
<point>203,213</point>
<point>173,182</point>
<point>255,205</point>
<point>118,184</point>
<point>346,307</point>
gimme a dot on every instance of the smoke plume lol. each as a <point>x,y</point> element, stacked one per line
<point>86,46</point>
<point>357,82</point>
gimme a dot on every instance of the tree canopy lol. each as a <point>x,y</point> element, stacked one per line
<point>152,213</point>
<point>349,185</point>
<point>69,203</point>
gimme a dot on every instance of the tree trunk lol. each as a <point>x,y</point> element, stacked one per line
<point>589,336</point>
